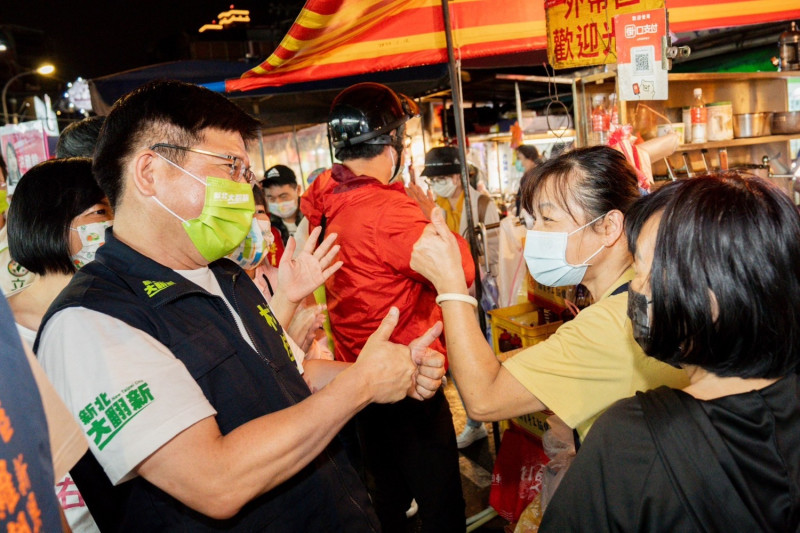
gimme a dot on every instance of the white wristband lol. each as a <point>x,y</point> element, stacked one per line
<point>457,297</point>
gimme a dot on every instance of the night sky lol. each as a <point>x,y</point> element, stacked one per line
<point>92,38</point>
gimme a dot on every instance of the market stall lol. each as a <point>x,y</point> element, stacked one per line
<point>343,37</point>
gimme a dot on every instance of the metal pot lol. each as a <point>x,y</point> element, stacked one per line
<point>751,125</point>
<point>787,122</point>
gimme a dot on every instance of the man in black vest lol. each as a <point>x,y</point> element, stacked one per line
<point>174,364</point>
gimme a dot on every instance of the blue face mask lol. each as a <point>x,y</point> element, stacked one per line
<point>546,256</point>
<point>518,166</point>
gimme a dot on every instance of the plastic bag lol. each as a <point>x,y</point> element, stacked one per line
<point>517,475</point>
<point>559,446</point>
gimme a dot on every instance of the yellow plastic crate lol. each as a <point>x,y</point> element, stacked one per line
<point>524,321</point>
<point>552,298</point>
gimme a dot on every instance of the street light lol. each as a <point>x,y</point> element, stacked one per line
<point>44,70</point>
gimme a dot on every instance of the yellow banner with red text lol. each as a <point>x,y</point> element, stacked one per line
<point>581,32</point>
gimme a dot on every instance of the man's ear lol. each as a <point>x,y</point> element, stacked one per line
<point>613,227</point>
<point>145,168</point>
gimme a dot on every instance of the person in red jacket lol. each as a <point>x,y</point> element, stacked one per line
<point>408,451</point>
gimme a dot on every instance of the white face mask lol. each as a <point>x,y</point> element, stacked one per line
<point>397,166</point>
<point>546,256</point>
<point>253,249</point>
<point>93,236</point>
<point>283,209</point>
<point>444,188</point>
<point>266,231</point>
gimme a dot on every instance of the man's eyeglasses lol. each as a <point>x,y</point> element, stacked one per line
<point>238,171</point>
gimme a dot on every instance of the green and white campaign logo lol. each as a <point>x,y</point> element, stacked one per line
<point>104,417</point>
<point>17,270</point>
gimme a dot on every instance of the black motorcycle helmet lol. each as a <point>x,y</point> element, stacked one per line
<point>367,113</point>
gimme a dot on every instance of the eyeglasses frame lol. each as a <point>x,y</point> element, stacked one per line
<point>246,173</point>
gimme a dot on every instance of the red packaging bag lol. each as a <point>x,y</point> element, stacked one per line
<point>518,473</point>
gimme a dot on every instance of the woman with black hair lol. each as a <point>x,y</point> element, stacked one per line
<point>579,202</point>
<point>527,159</point>
<point>55,224</point>
<point>717,262</point>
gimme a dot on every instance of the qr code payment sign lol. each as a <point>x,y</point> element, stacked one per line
<point>642,59</point>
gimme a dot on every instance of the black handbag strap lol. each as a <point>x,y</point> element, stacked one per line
<point>693,453</point>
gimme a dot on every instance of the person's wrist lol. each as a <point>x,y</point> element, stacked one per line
<point>357,380</point>
<point>281,299</point>
<point>456,297</point>
<point>296,300</point>
<point>451,286</point>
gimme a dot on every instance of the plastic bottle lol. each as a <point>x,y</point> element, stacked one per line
<point>686,115</point>
<point>600,120</point>
<point>613,113</point>
<point>699,118</point>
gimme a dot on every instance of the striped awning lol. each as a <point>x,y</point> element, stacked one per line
<point>335,38</point>
<point>695,15</point>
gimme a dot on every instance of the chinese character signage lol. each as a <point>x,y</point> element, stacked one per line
<point>640,54</point>
<point>581,32</point>
<point>104,417</point>
<point>23,146</point>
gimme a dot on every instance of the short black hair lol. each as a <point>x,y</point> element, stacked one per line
<point>644,208</point>
<point>359,151</point>
<point>598,179</point>
<point>162,111</point>
<point>528,152</point>
<point>259,197</point>
<point>79,138</point>
<point>739,238</point>
<point>46,200</point>
<point>3,167</point>
<point>278,176</point>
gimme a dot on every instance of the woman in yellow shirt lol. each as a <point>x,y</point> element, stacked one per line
<point>578,201</point>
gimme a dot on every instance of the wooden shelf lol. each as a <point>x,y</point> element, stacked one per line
<point>736,142</point>
<point>567,136</point>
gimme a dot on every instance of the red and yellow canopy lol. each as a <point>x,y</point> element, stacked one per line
<point>694,15</point>
<point>335,38</point>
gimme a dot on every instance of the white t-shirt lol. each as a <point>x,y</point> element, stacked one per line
<point>127,390</point>
<point>130,394</point>
<point>28,335</point>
